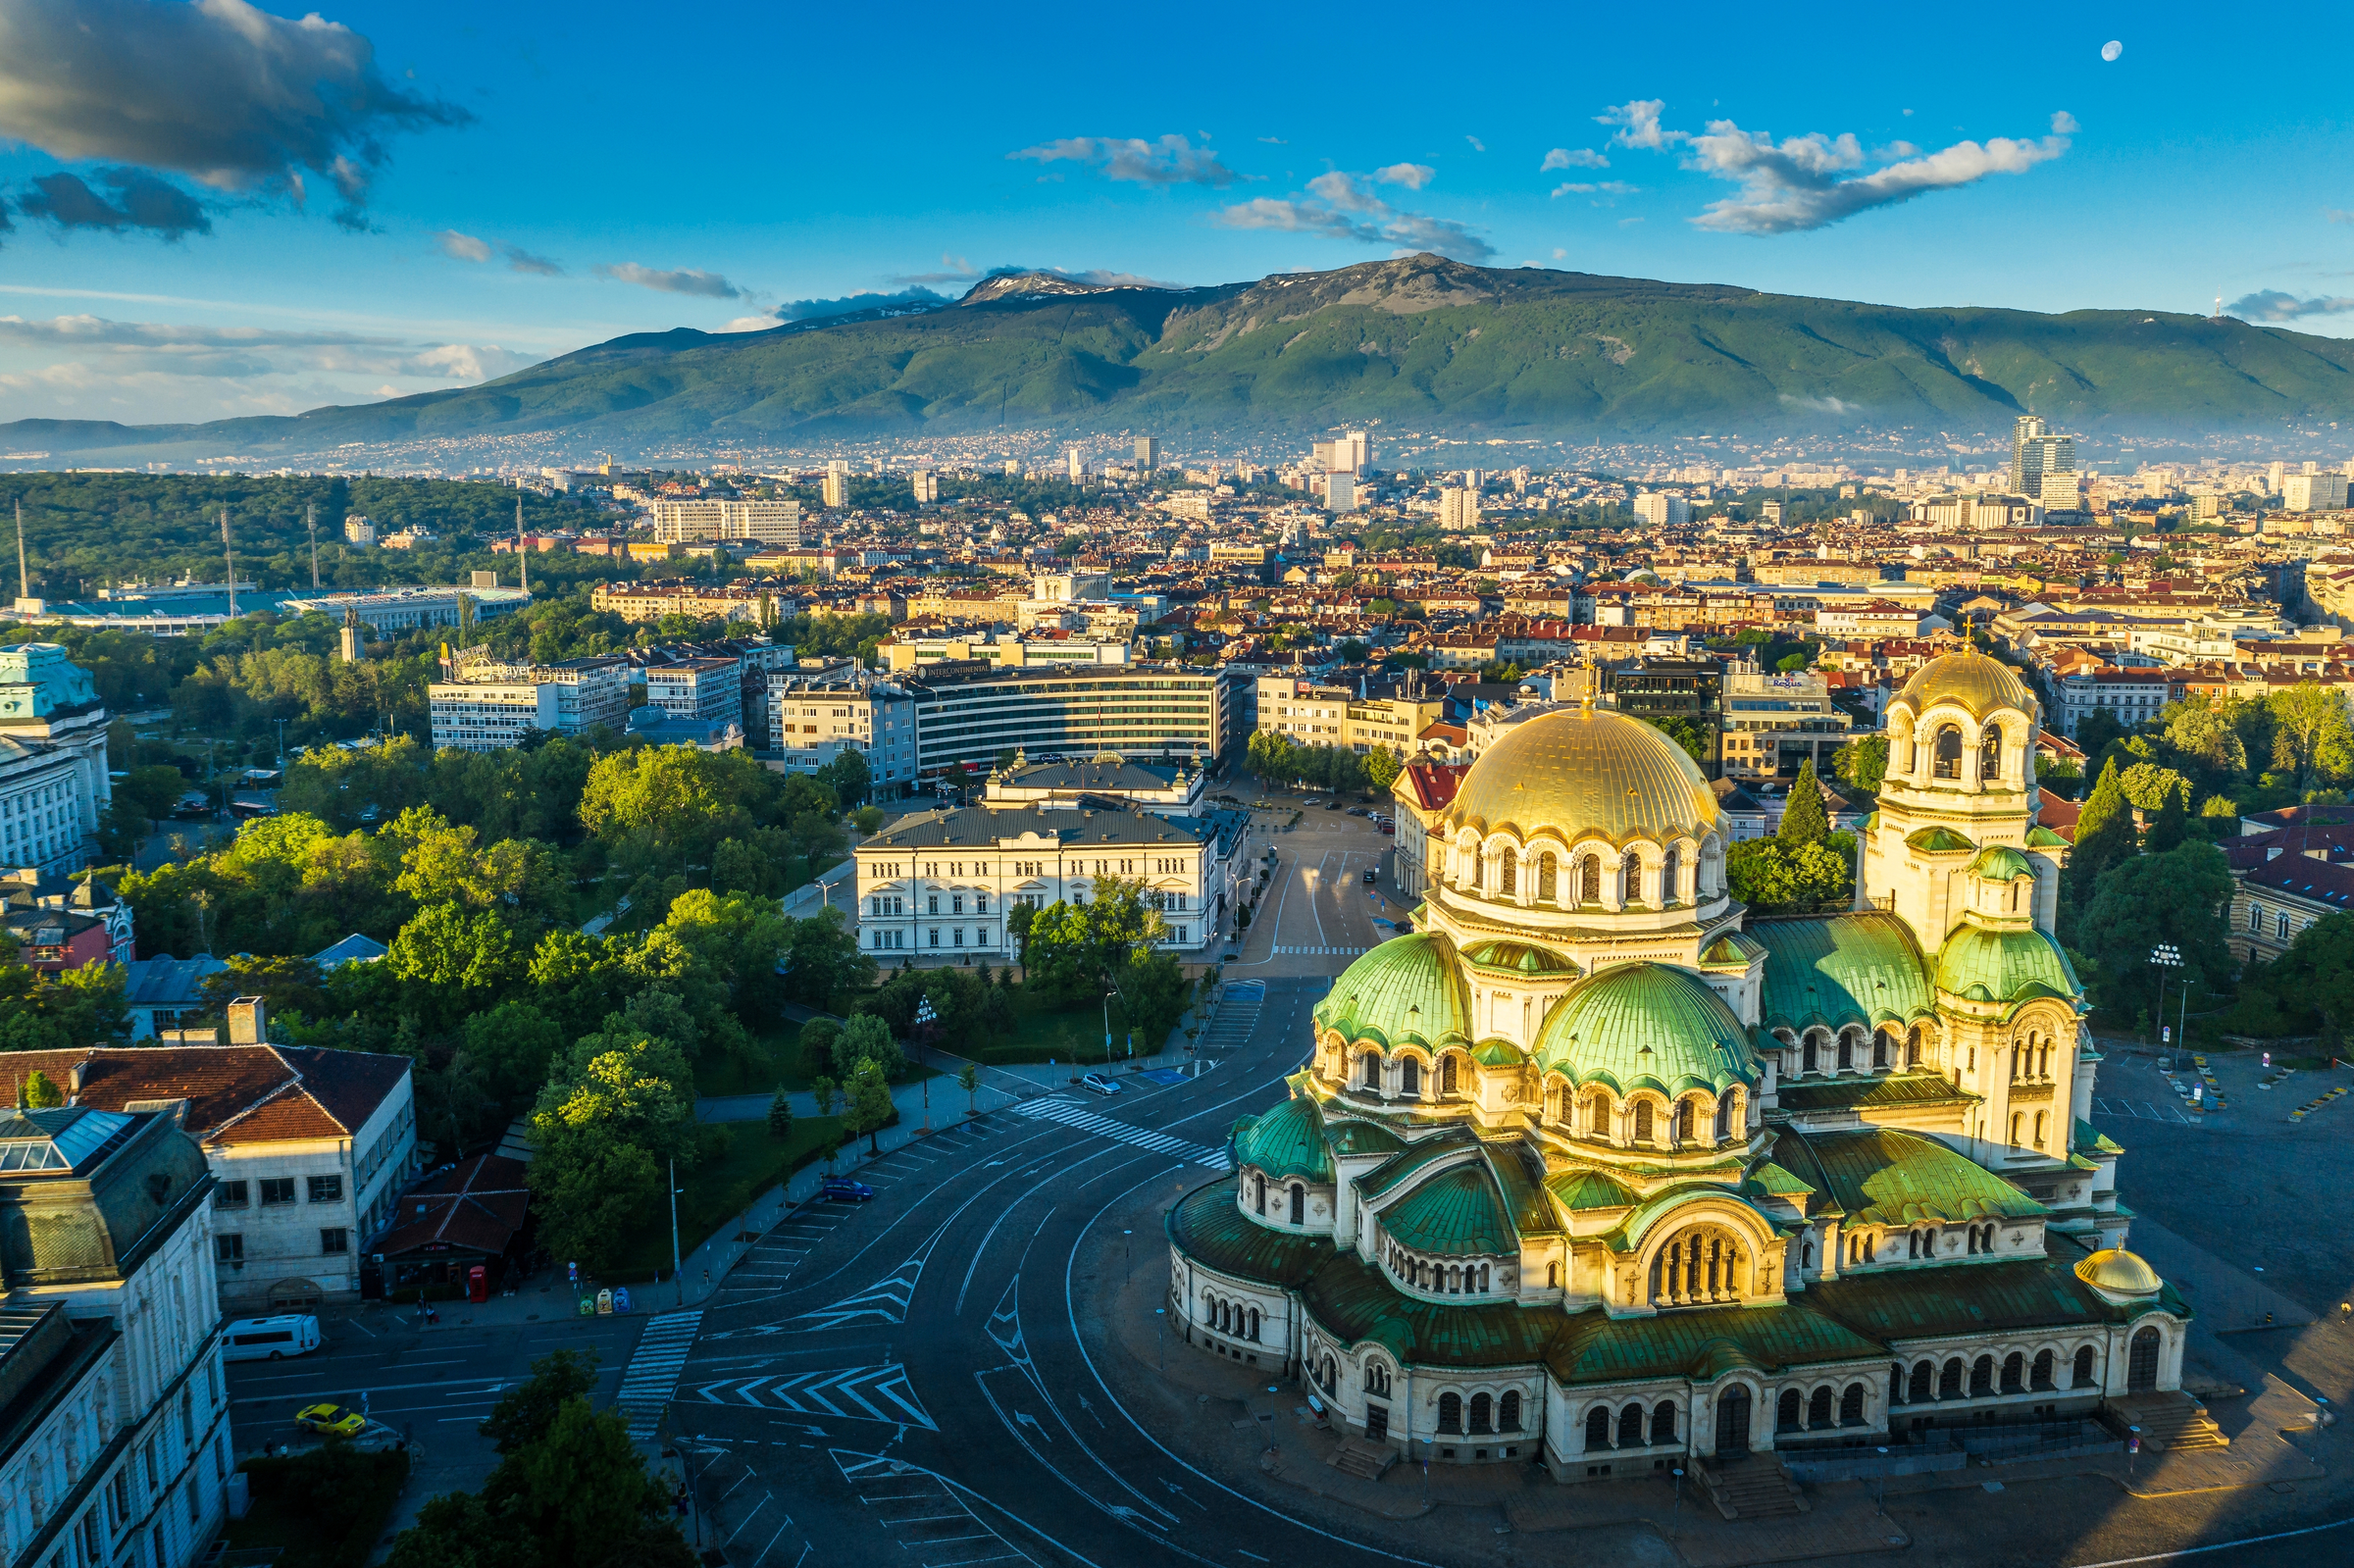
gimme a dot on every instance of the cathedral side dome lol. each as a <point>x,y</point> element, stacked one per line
<point>1586,771</point>
<point>1977,681</point>
<point>1997,964</point>
<point>1406,991</point>
<point>1286,1142</point>
<point>2119,1273</point>
<point>1644,1025</point>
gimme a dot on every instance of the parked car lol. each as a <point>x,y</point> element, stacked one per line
<point>1098,1084</point>
<point>1371,876</point>
<point>1332,805</point>
<point>330,1418</point>
<point>841,1190</point>
<point>1359,811</point>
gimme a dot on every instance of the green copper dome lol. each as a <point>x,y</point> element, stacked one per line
<point>1405,992</point>
<point>1286,1142</point>
<point>1522,957</point>
<point>1646,1024</point>
<point>1994,964</point>
<point>2001,863</point>
<point>1457,1213</point>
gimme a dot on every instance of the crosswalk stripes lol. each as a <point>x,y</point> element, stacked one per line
<point>1321,952</point>
<point>1237,1015</point>
<point>1054,1109</point>
<point>853,1394</point>
<point>653,1374</point>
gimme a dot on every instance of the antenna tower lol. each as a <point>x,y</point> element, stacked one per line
<point>24,586</point>
<point>523,555</point>
<point>310,518</point>
<point>229,555</point>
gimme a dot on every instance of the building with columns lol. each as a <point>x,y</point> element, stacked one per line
<point>1596,1169</point>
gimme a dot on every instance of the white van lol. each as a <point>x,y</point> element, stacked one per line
<point>268,1339</point>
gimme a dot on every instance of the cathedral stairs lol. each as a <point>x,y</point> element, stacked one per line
<point>1365,1460</point>
<point>2173,1421</point>
<point>1753,1487</point>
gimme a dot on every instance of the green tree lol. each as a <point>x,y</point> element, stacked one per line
<point>780,1116</point>
<point>867,1041</point>
<point>828,1092</point>
<point>819,1037</point>
<point>1691,736</point>
<point>583,1492</point>
<point>2311,739</point>
<point>2168,824</point>
<point>508,1050</point>
<point>824,961</point>
<point>593,1193</point>
<point>42,1094</point>
<point>869,1104</point>
<point>1862,763</point>
<point>968,1078</point>
<point>2179,897</point>
<point>2094,732</point>
<point>1383,764</point>
<point>2205,732</point>
<point>1772,876</point>
<point>627,1081</point>
<point>524,1412</point>
<point>1071,949</point>
<point>1804,821</point>
<point>2104,829</point>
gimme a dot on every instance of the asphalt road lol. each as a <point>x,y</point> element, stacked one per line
<point>903,1381</point>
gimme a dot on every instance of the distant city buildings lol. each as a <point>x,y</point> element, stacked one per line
<point>773,522</point>
<point>2043,465</point>
<point>486,706</point>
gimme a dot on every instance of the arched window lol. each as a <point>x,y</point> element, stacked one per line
<point>2141,1361</point>
<point>1630,1427</point>
<point>1508,875</point>
<point>1553,1276</point>
<point>1919,1392</point>
<point>1409,1077</point>
<point>1683,1121</point>
<point>2043,1121</point>
<point>1332,1374</point>
<point>1818,1408</point>
<point>1913,1047</point>
<point>1851,1405</point>
<point>1298,1204</point>
<point>1663,1422</point>
<point>1446,1075</point>
<point>1479,868</point>
<point>1847,1053</point>
<point>1482,1412</point>
<point>1547,882</point>
<point>1253,1333</point>
<point>1259,1184</point>
<point>2083,1373</point>
<point>1981,1376</point>
<point>1508,1411</point>
<point>1371,1063</point>
<point>1672,875</point>
<point>1701,1265</point>
<point>2014,1370</point>
<point>1725,1118</point>
<point>1597,1430</point>
<point>2040,1375</point>
<point>1451,1412</point>
<point>1807,1057</point>
<point>1642,1120</point>
<point>1949,1380</point>
<point>1602,1116</point>
<point>2019,1119</point>
<point>1377,1378</point>
<point>1788,1411</point>
<point>1483,1274</point>
<point>1990,756</point>
<point>1879,1050</point>
<point>1946,761</point>
<point>1590,880</point>
<point>1896,1384</point>
<point>1630,880</point>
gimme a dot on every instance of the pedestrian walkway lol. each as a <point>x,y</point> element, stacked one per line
<point>1236,1017</point>
<point>1321,952</point>
<point>1057,1109</point>
<point>653,1374</point>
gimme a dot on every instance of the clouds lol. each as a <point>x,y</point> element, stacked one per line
<point>131,348</point>
<point>1572,157</point>
<point>1342,206</point>
<point>683,281</point>
<point>140,203</point>
<point>2065,124</point>
<point>237,99</point>
<point>1413,177</point>
<point>1607,188</point>
<point>2273,305</point>
<point>467,248</point>
<point>905,301</point>
<point>1170,161</point>
<point>1638,122</point>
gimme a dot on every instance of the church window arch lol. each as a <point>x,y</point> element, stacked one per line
<point>1912,1047</point>
<point>1409,1077</point>
<point>1671,871</point>
<point>1508,871</point>
<point>1920,1388</point>
<point>1789,1411</point>
<point>1598,1429</point>
<point>1601,1124</point>
<point>1725,1118</point>
<point>1446,1075</point>
<point>2043,1121</point>
<point>1879,1049</point>
<point>2014,1370</point>
<point>1590,880</point>
<point>1369,1070</point>
<point>1377,1379</point>
<point>1990,755</point>
<point>1683,1121</point>
<point>1981,1376</point>
<point>1252,1336</point>
<point>1847,1051</point>
<point>1508,1411</point>
<point>1945,761</point>
<point>1451,1412</point>
<point>1949,1380</point>
<point>1630,1427</point>
<point>1479,866</point>
<point>1332,1374</point>
<point>1851,1405</point>
<point>2039,1374</point>
<point>1259,1190</point>
<point>1483,1413</point>
<point>1663,1422</point>
<point>1630,880</point>
<point>1643,1121</point>
<point>1819,1407</point>
<point>1548,878</point>
<point>1701,1265</point>
<point>2082,1372</point>
<point>1298,1204</point>
<point>2018,1121</point>
<point>1808,1058</point>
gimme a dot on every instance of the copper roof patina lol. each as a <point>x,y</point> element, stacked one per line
<point>2007,965</point>
<point>1455,1213</point>
<point>1884,1092</point>
<point>1646,1026</point>
<point>1861,969</point>
<point>1284,1142</point>
<point>1406,991</point>
<point>1878,1176</point>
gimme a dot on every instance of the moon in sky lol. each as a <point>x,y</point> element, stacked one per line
<point>2112,49</point>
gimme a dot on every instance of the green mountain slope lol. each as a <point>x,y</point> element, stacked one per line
<point>1418,342</point>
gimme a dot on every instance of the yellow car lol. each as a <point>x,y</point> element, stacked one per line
<point>331,1418</point>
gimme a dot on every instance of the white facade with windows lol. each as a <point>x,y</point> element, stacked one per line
<point>491,707</point>
<point>777,523</point>
<point>53,776</point>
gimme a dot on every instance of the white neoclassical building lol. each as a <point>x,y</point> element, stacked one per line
<point>1597,1170</point>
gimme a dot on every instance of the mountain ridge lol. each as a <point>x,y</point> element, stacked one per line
<point>1420,342</point>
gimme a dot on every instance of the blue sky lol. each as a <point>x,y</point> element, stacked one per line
<point>217,209</point>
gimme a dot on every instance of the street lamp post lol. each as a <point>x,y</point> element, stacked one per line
<point>925,1018</point>
<point>2166,956</point>
<point>677,1278</point>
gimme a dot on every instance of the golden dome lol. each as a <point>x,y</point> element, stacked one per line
<point>1586,770</point>
<point>2118,1272</point>
<point>1977,681</point>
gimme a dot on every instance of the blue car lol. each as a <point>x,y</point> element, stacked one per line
<point>841,1190</point>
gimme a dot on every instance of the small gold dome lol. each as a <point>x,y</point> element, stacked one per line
<point>2118,1272</point>
<point>1586,770</point>
<point>1980,682</point>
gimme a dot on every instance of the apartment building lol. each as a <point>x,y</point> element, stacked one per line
<point>489,707</point>
<point>815,716</point>
<point>2131,695</point>
<point>1689,690</point>
<point>1459,510</point>
<point>1311,715</point>
<point>941,884</point>
<point>974,712</point>
<point>773,522</point>
<point>651,601</point>
<point>114,1418</point>
<point>707,691</point>
<point>53,783</point>
<point>1775,720</point>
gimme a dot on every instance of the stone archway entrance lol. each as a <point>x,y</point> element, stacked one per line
<point>2142,1362</point>
<point>1732,1422</point>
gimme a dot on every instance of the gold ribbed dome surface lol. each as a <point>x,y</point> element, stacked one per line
<point>1586,770</point>
<point>1980,682</point>
<point>2115,1269</point>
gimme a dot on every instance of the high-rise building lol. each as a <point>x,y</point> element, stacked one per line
<point>776,522</point>
<point>838,488</point>
<point>2314,492</point>
<point>2035,451</point>
<point>1459,510</point>
<point>1340,492</point>
<point>1664,511</point>
<point>926,485</point>
<point>1075,461</point>
<point>359,530</point>
<point>1147,452</point>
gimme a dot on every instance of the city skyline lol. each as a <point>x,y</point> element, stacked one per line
<point>386,200</point>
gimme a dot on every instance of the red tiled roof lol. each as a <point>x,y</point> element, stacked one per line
<point>2323,881</point>
<point>2057,814</point>
<point>235,1093</point>
<point>476,1206</point>
<point>1434,783</point>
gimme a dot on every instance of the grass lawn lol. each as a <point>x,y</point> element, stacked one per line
<point>776,1064</point>
<point>718,1189</point>
<point>1043,1032</point>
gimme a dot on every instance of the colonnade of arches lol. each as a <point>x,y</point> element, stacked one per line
<point>1645,1119</point>
<point>1223,1314</point>
<point>1437,1276</point>
<point>1822,1051</point>
<point>1290,1199</point>
<point>1955,1377</point>
<point>1588,875</point>
<point>1950,751</point>
<point>1409,1073</point>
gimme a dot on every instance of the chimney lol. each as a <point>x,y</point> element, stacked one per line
<point>75,1076</point>
<point>248,1022</point>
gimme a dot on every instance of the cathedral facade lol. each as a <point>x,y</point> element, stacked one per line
<point>1596,1169</point>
